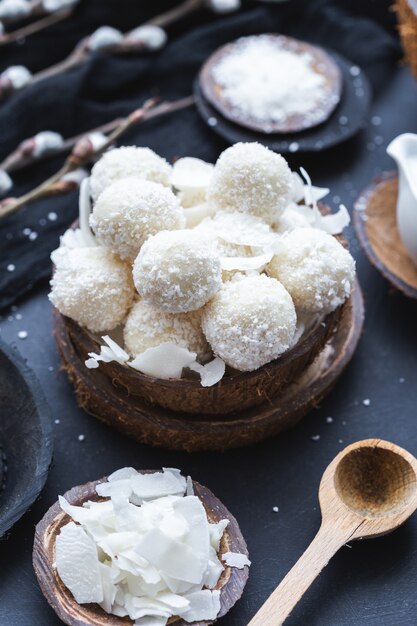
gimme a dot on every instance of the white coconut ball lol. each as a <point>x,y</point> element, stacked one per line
<point>250,178</point>
<point>142,163</point>
<point>250,322</point>
<point>130,210</point>
<point>177,271</point>
<point>146,327</point>
<point>93,287</point>
<point>315,268</point>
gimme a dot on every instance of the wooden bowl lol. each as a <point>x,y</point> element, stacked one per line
<point>406,11</point>
<point>235,392</point>
<point>375,223</point>
<point>231,583</point>
<point>172,429</point>
<point>322,63</point>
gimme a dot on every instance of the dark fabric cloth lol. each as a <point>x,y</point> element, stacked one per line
<point>109,86</point>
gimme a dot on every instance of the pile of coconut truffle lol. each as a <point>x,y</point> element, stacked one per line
<point>212,258</point>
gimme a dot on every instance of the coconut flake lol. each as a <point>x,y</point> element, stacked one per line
<point>211,373</point>
<point>235,559</point>
<point>216,533</point>
<point>78,565</point>
<point>335,223</point>
<point>244,263</point>
<point>192,174</point>
<point>164,361</point>
<point>111,352</point>
<point>84,208</point>
<point>204,605</point>
<point>194,215</point>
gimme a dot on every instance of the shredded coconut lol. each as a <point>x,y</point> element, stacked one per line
<point>315,268</point>
<point>177,271</point>
<point>266,82</point>
<point>250,178</point>
<point>91,286</point>
<point>130,210</point>
<point>128,161</point>
<point>250,322</point>
<point>146,327</point>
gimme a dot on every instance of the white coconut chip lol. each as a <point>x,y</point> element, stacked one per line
<point>193,174</point>
<point>334,223</point>
<point>194,215</point>
<point>204,605</point>
<point>243,263</point>
<point>164,361</point>
<point>78,564</point>
<point>84,208</point>
<point>168,360</point>
<point>235,559</point>
<point>111,352</point>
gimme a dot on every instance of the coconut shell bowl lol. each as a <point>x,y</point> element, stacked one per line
<point>375,223</point>
<point>231,583</point>
<point>241,409</point>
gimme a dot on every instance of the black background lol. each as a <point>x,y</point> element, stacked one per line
<point>372,582</point>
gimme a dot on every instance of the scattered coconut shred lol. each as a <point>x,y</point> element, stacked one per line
<point>248,76</point>
<point>147,552</point>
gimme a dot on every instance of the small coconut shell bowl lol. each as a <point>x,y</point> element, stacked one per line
<point>231,583</point>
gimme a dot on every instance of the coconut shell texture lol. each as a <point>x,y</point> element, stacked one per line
<point>406,11</point>
<point>153,425</point>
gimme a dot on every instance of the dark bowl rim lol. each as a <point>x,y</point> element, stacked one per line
<point>44,452</point>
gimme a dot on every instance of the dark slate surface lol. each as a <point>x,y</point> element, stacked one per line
<point>371,583</point>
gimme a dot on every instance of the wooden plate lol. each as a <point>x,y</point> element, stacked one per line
<point>321,63</point>
<point>375,223</point>
<point>26,439</point>
<point>161,427</point>
<point>231,583</point>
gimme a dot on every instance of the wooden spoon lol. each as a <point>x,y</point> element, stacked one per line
<point>368,490</point>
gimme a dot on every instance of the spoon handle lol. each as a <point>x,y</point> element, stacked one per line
<point>281,602</point>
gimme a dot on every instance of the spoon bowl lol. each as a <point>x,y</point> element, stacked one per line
<point>368,490</point>
<point>373,482</point>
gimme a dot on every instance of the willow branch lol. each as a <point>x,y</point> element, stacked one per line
<point>19,159</point>
<point>83,152</point>
<point>82,52</point>
<point>35,27</point>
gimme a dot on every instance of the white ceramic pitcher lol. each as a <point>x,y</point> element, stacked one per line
<point>403,149</point>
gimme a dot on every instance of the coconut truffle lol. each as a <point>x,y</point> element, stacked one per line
<point>177,271</point>
<point>130,210</point>
<point>142,163</point>
<point>250,322</point>
<point>315,268</point>
<point>146,327</point>
<point>250,178</point>
<point>93,287</point>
